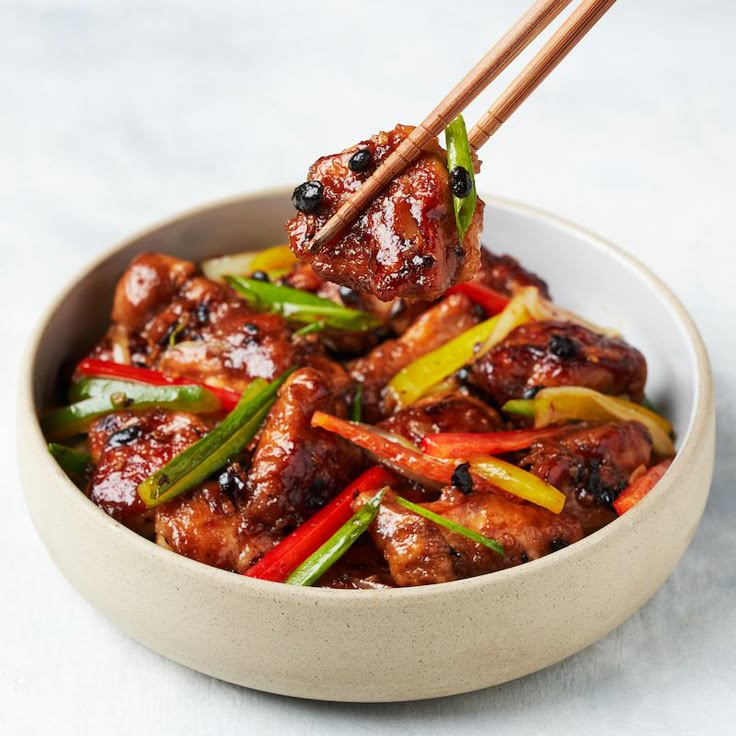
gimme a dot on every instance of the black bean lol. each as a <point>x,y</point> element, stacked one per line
<point>460,182</point>
<point>563,347</point>
<point>124,436</point>
<point>462,480</point>
<point>360,160</point>
<point>531,391</point>
<point>557,544</point>
<point>307,197</point>
<point>349,296</point>
<point>260,276</point>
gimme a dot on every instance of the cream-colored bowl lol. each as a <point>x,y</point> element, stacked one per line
<point>380,645</point>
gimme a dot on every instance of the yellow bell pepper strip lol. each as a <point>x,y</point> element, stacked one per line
<point>485,472</point>
<point>60,424</point>
<point>518,482</point>
<point>637,489</point>
<point>576,403</point>
<point>301,306</point>
<point>317,564</point>
<point>73,462</point>
<point>414,381</point>
<point>450,525</point>
<point>462,177</point>
<point>418,378</point>
<point>200,460</point>
<point>274,261</point>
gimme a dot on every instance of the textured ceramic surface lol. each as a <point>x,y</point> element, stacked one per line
<point>381,645</point>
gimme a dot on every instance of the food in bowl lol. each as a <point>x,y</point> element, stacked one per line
<point>250,415</point>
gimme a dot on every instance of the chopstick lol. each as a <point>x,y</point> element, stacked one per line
<point>521,34</point>
<point>496,59</point>
<point>565,38</point>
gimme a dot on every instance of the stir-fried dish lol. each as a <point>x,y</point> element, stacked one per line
<point>401,407</point>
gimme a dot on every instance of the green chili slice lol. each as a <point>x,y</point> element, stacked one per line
<point>102,396</point>
<point>73,462</point>
<point>450,525</point>
<point>301,306</point>
<point>309,329</point>
<point>458,154</point>
<point>520,407</point>
<point>204,457</point>
<point>315,566</point>
<point>356,409</point>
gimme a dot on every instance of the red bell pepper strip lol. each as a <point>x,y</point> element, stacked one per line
<point>466,444</point>
<point>634,492</point>
<point>287,555</point>
<point>490,300</point>
<point>100,368</point>
<point>399,457</point>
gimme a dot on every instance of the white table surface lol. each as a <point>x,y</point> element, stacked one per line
<point>116,113</point>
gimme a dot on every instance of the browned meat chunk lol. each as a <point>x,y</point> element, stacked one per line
<point>152,279</point>
<point>126,448</point>
<point>420,552</point>
<point>209,526</point>
<point>189,326</point>
<point>406,242</point>
<point>444,321</point>
<point>296,468</point>
<point>506,275</point>
<point>451,412</point>
<point>544,354</point>
<point>591,465</point>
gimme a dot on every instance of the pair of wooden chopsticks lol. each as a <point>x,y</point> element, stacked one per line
<point>508,48</point>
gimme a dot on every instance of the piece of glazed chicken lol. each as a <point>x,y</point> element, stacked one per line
<point>405,244</point>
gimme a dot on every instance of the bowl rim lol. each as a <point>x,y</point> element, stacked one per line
<point>698,425</point>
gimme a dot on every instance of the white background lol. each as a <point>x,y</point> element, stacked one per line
<point>116,113</point>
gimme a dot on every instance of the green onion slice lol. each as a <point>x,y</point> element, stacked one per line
<point>315,566</point>
<point>301,306</point>
<point>450,525</point>
<point>458,154</point>
<point>200,460</point>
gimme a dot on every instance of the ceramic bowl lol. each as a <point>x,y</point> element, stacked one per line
<point>382,645</point>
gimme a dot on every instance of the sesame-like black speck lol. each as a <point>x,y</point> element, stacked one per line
<point>360,160</point>
<point>124,436</point>
<point>524,557</point>
<point>202,312</point>
<point>307,197</point>
<point>230,481</point>
<point>349,296</point>
<point>557,544</point>
<point>461,182</point>
<point>462,480</point>
<point>563,347</point>
<point>260,276</point>
<point>463,375</point>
